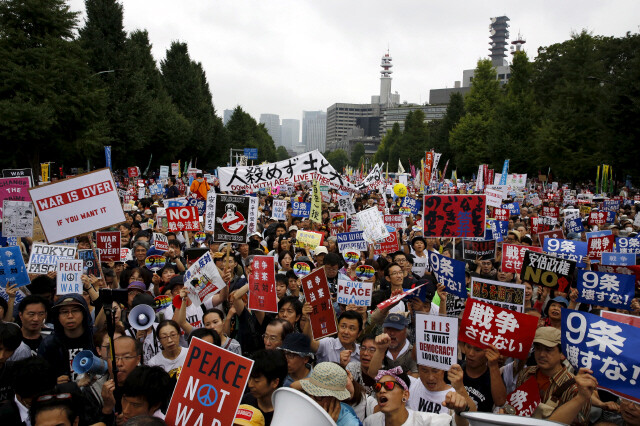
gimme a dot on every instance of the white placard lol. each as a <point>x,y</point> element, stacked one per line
<point>354,292</point>
<point>17,219</point>
<point>160,241</point>
<point>78,205</point>
<point>164,172</point>
<point>279,209</point>
<point>69,276</point>
<point>345,205</point>
<point>495,194</point>
<point>437,341</point>
<point>44,258</point>
<point>372,225</point>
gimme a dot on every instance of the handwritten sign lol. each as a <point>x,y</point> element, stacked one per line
<point>44,258</point>
<point>262,290</point>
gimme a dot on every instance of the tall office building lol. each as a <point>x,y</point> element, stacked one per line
<point>312,136</point>
<point>290,133</point>
<point>499,33</point>
<point>272,123</point>
<point>342,117</point>
<point>227,116</point>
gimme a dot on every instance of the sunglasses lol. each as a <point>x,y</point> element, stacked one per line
<point>388,385</point>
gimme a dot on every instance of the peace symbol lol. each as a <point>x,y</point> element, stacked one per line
<point>204,395</point>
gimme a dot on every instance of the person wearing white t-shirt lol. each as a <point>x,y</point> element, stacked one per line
<point>172,355</point>
<point>428,393</point>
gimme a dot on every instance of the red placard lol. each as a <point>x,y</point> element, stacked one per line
<point>389,245</point>
<point>623,318</point>
<point>509,331</point>
<point>526,398</point>
<point>598,245</point>
<point>454,216</point>
<point>538,225</point>
<point>598,218</point>
<point>183,219</point>
<point>428,165</point>
<point>394,220</point>
<point>262,287</point>
<point>109,245</point>
<point>554,233</point>
<point>316,292</point>
<point>500,214</point>
<point>513,256</point>
<point>133,172</point>
<point>553,212</point>
<point>210,386</point>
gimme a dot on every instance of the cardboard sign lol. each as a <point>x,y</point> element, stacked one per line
<point>388,245</point>
<point>395,220</point>
<point>231,222</point>
<point>631,320</point>
<point>526,398</point>
<point>15,173</point>
<point>436,341</point>
<point>628,245</point>
<point>44,258</point>
<point>351,241</point>
<point>501,214</point>
<point>472,250</point>
<point>509,331</point>
<point>354,292</point>
<point>109,245</point>
<point>12,267</point>
<point>279,209</point>
<point>14,189</point>
<point>372,225</point>
<point>262,287</point>
<point>210,386</point>
<point>449,272</point>
<point>598,245</point>
<point>513,256</point>
<point>183,219</point>
<point>454,216</point>
<point>309,238</point>
<point>316,292</point>
<point>78,205</point>
<point>69,276</point>
<point>550,271</point>
<point>605,346</point>
<point>300,209</point>
<point>90,264</point>
<point>17,219</point>
<point>160,241</point>
<point>505,295</point>
<point>567,249</point>
<point>203,279</point>
<point>606,289</point>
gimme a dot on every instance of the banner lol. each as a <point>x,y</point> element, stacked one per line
<point>608,348</point>
<point>69,276</point>
<point>183,219</point>
<point>606,289</point>
<point>597,245</point>
<point>526,398</point>
<point>44,258</point>
<point>316,293</point>
<point>484,250</point>
<point>14,189</point>
<point>510,332</point>
<point>108,244</point>
<point>354,292</point>
<point>210,386</point>
<point>78,205</point>
<point>107,157</point>
<point>513,256</point>
<point>351,241</point>
<point>505,172</point>
<point>17,220</point>
<point>300,209</point>
<point>505,295</point>
<point>454,216</point>
<point>279,210</point>
<point>12,267</point>
<point>567,249</point>
<point>231,212</point>
<point>316,203</point>
<point>550,271</point>
<point>262,287</point>
<point>428,165</point>
<point>436,341</point>
<point>203,279</point>
<point>449,272</point>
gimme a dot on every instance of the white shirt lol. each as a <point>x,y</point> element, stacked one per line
<point>24,412</point>
<point>415,419</point>
<point>423,400</point>
<point>171,366</point>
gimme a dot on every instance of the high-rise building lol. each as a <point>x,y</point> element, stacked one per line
<point>342,117</point>
<point>272,123</point>
<point>499,34</point>
<point>227,116</point>
<point>312,136</point>
<point>290,133</point>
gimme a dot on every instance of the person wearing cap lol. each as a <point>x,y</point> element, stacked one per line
<point>297,350</point>
<point>552,312</point>
<point>73,333</point>
<point>327,385</point>
<point>248,416</point>
<point>293,231</point>
<point>393,348</point>
<point>319,254</point>
<point>564,398</point>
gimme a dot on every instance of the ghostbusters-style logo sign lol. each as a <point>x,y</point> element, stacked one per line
<point>233,221</point>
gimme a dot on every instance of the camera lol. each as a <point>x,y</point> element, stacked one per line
<point>108,296</point>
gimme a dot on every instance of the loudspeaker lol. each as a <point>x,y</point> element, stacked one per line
<point>142,317</point>
<point>88,362</point>
<point>290,404</point>
<point>477,418</point>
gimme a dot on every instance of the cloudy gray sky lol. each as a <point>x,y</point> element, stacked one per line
<point>285,56</point>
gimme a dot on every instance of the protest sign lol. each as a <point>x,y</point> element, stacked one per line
<point>388,245</point>
<point>160,241</point>
<point>505,295</point>
<point>601,233</point>
<point>176,202</point>
<point>628,245</point>
<point>372,225</point>
<point>513,256</point>
<point>14,189</point>
<point>210,386</point>
<point>109,246</point>
<point>279,209</point>
<point>514,208</point>
<point>312,239</point>
<point>348,241</point>
<point>300,209</point>
<point>574,225</point>
<point>510,332</point>
<point>598,218</point>
<point>495,194</point>
<point>183,219</point>
<point>262,290</point>
<point>554,233</point>
<point>501,214</point>
<point>209,216</point>
<point>394,220</point>
<point>15,173</point>
<point>315,215</point>
<point>549,211</point>
<point>199,204</point>
<point>541,224</point>
<point>78,205</point>
<point>436,341</point>
<point>625,270</point>
<point>413,204</point>
<point>345,205</point>
<point>550,271</point>
<point>567,249</point>
<point>398,297</point>
<point>69,276</point>
<point>316,293</point>
<point>175,169</point>
<point>44,258</point>
<point>231,214</point>
<point>597,245</point>
<point>354,292</point>
<point>164,172</point>
<point>91,265</point>
<point>133,172</point>
<point>526,398</point>
<point>454,216</point>
<point>12,267</point>
<point>17,219</point>
<point>449,272</point>
<point>203,279</point>
<point>473,250</point>
<point>621,259</point>
<point>632,320</point>
<point>606,289</point>
<point>608,348</point>
<point>124,254</point>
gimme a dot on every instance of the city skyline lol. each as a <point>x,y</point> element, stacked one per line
<point>286,57</point>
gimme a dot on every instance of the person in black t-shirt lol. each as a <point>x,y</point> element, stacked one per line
<point>32,312</point>
<point>268,374</point>
<point>482,377</point>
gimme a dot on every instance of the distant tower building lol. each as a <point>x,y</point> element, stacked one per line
<point>227,116</point>
<point>516,45</point>
<point>499,30</point>
<point>310,133</point>
<point>386,99</point>
<point>290,133</point>
<point>272,123</point>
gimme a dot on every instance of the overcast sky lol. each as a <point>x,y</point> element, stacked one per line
<point>283,57</point>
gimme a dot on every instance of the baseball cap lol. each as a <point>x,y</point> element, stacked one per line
<point>67,302</point>
<point>248,416</point>
<point>137,285</point>
<point>320,250</point>
<point>293,228</point>
<point>395,320</point>
<point>548,336</point>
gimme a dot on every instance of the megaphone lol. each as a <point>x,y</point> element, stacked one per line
<point>142,317</point>
<point>290,404</point>
<point>88,362</point>
<point>477,418</point>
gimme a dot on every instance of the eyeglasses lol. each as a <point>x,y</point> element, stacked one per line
<point>124,358</point>
<point>71,311</point>
<point>388,385</point>
<point>170,336</point>
<point>54,396</point>
<point>270,338</point>
<point>371,350</point>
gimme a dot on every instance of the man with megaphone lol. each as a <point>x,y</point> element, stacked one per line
<point>142,325</point>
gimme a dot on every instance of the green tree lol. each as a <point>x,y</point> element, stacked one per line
<point>281,153</point>
<point>455,111</point>
<point>338,159</point>
<point>391,138</point>
<point>51,108</point>
<point>103,35</point>
<point>357,155</point>
<point>413,142</point>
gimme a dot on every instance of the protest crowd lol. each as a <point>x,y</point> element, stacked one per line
<point>288,292</point>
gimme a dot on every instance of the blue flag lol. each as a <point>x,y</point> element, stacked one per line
<point>107,155</point>
<point>505,172</point>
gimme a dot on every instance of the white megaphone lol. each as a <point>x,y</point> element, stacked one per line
<point>289,404</point>
<point>88,362</point>
<point>477,418</point>
<point>142,317</point>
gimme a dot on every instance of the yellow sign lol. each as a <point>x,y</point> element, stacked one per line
<point>316,204</point>
<point>306,238</point>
